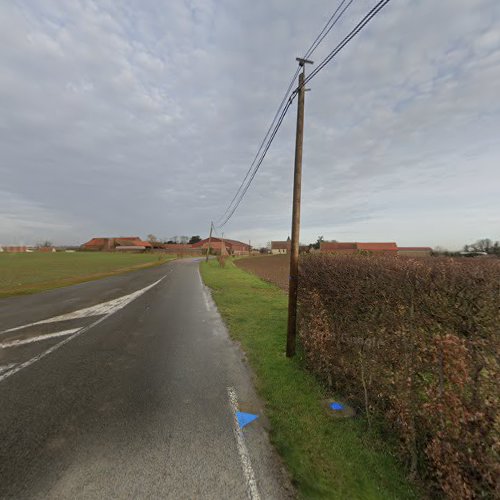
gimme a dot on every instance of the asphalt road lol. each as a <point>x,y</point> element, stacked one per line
<point>128,387</point>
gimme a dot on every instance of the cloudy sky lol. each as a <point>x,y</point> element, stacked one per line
<point>137,117</point>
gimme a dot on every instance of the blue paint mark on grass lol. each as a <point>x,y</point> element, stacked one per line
<point>245,418</point>
<point>336,406</point>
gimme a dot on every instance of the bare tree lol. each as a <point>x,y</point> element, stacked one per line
<point>484,245</point>
<point>46,243</point>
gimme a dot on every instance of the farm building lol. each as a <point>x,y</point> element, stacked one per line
<point>278,247</point>
<point>224,246</point>
<point>348,248</point>
<point>14,249</point>
<point>390,248</point>
<point>125,243</point>
<point>179,248</point>
<point>46,249</point>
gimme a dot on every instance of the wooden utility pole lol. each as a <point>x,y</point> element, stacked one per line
<point>294,250</point>
<point>209,241</point>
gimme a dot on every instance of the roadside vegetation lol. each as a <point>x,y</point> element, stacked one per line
<point>327,457</point>
<point>25,273</point>
<point>414,343</point>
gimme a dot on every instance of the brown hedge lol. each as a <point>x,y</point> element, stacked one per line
<point>415,341</point>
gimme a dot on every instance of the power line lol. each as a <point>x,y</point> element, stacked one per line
<point>280,107</point>
<point>235,202</point>
<point>373,12</point>
<point>332,21</point>
<point>259,163</point>
<point>326,29</point>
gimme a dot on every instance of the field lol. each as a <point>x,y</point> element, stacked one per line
<point>272,268</point>
<point>25,273</point>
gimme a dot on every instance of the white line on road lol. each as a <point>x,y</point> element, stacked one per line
<point>38,357</point>
<point>97,310</point>
<point>204,292</point>
<point>4,368</point>
<point>246,464</point>
<point>38,338</point>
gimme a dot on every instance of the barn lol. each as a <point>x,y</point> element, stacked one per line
<point>224,246</point>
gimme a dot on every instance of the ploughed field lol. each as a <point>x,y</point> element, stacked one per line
<point>272,268</point>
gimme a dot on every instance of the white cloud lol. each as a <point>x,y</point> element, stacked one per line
<point>20,217</point>
<point>128,117</point>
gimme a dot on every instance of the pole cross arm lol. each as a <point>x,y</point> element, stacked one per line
<point>303,61</point>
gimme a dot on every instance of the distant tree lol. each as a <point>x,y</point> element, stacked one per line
<point>184,239</point>
<point>318,243</point>
<point>152,238</point>
<point>484,245</point>
<point>46,243</point>
<point>194,239</point>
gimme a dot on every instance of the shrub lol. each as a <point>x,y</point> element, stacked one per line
<point>414,341</point>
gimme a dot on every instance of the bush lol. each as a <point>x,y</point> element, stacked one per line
<point>414,341</point>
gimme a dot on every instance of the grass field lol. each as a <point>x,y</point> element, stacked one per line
<point>25,273</point>
<point>327,457</point>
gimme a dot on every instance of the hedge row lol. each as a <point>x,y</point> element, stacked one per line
<point>415,341</point>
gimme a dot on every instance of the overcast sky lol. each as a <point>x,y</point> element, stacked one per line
<point>137,117</point>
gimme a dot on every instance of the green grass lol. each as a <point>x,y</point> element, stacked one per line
<point>327,457</point>
<point>25,273</point>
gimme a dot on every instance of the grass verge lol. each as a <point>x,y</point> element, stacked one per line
<point>26,273</point>
<point>327,457</point>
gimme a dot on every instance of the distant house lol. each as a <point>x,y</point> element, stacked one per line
<point>415,251</point>
<point>13,249</point>
<point>350,248</point>
<point>122,243</point>
<point>390,248</point>
<point>224,246</point>
<point>179,248</point>
<point>48,249</point>
<point>278,247</point>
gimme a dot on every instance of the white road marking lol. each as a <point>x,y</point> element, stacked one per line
<point>4,368</point>
<point>38,338</point>
<point>204,292</point>
<point>97,310</point>
<point>38,357</point>
<point>246,464</point>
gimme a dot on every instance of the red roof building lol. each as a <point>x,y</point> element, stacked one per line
<point>390,248</point>
<point>219,245</point>
<point>13,249</point>
<point>179,248</point>
<point>349,248</point>
<point>278,247</point>
<point>120,243</point>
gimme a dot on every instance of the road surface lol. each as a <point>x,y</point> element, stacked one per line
<point>129,387</point>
